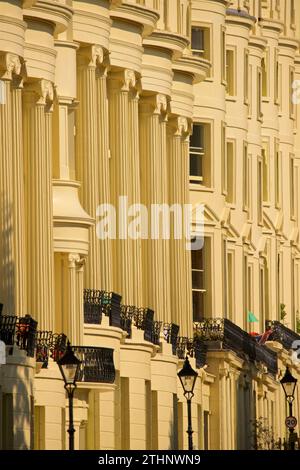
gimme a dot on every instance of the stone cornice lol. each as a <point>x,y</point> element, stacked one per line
<point>272,25</point>
<point>257,41</point>
<point>239,17</point>
<point>144,17</point>
<point>195,66</point>
<point>54,12</point>
<point>171,42</point>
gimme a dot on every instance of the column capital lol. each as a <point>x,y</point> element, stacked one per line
<point>155,104</point>
<point>10,65</point>
<point>91,56</point>
<point>180,126</point>
<point>44,91</point>
<point>124,79</point>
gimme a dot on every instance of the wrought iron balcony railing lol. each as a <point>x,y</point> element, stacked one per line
<point>97,364</point>
<point>98,303</point>
<point>282,334</point>
<point>223,334</point>
<point>194,347</point>
<point>143,319</point>
<point>49,344</point>
<point>171,331</point>
<point>20,331</point>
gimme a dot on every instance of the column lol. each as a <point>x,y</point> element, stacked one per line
<point>134,152</point>
<point>7,265</point>
<point>105,251</point>
<point>154,190</point>
<point>180,268</point>
<point>37,118</point>
<point>18,198</point>
<point>87,153</point>
<point>120,85</point>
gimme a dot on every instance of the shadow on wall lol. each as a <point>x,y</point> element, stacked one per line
<point>246,413</point>
<point>16,401</point>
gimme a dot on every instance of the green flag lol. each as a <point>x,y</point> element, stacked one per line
<point>252,318</point>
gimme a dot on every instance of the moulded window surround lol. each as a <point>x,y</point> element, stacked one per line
<point>230,286</point>
<point>280,88</point>
<point>250,91</point>
<point>231,72</point>
<point>293,189</point>
<point>246,78</point>
<point>260,191</point>
<point>231,180</point>
<point>293,15</point>
<point>265,76</point>
<point>224,158</point>
<point>245,178</point>
<point>200,154</point>
<point>223,55</point>
<point>201,281</point>
<point>296,191</point>
<point>292,105</point>
<point>250,295</point>
<point>259,96</point>
<point>201,40</point>
<point>276,78</point>
<point>278,176</point>
<point>266,172</point>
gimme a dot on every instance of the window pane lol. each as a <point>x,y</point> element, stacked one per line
<point>198,279</point>
<point>197,259</point>
<point>198,306</point>
<point>197,39</point>
<point>197,138</point>
<point>195,164</point>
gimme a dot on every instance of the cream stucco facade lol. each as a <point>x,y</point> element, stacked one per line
<point>163,102</point>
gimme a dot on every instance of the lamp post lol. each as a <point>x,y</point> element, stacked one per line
<point>188,377</point>
<point>289,383</point>
<point>69,367</point>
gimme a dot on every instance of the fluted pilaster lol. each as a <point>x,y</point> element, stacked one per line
<point>38,195</point>
<point>105,263</point>
<point>7,267</point>
<point>154,190</point>
<point>87,151</point>
<point>135,192</point>
<point>18,201</point>
<point>120,85</point>
<point>180,269</point>
<point>12,246</point>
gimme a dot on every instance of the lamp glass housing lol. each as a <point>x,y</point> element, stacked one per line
<point>188,377</point>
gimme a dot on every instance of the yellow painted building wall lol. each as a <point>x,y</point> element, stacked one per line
<point>99,100</point>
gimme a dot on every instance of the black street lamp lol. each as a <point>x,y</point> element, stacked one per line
<point>188,377</point>
<point>289,383</point>
<point>69,367</point>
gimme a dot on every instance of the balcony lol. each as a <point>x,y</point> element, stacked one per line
<point>49,345</point>
<point>19,331</point>
<point>221,333</point>
<point>282,334</point>
<point>194,347</point>
<point>171,331</point>
<point>142,319</point>
<point>97,364</point>
<point>98,303</point>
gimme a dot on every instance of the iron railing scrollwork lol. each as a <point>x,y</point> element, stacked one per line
<point>98,303</point>
<point>231,336</point>
<point>282,334</point>
<point>49,344</point>
<point>170,332</point>
<point>19,331</point>
<point>193,347</point>
<point>97,364</point>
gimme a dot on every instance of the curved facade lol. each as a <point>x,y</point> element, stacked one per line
<point>153,102</point>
